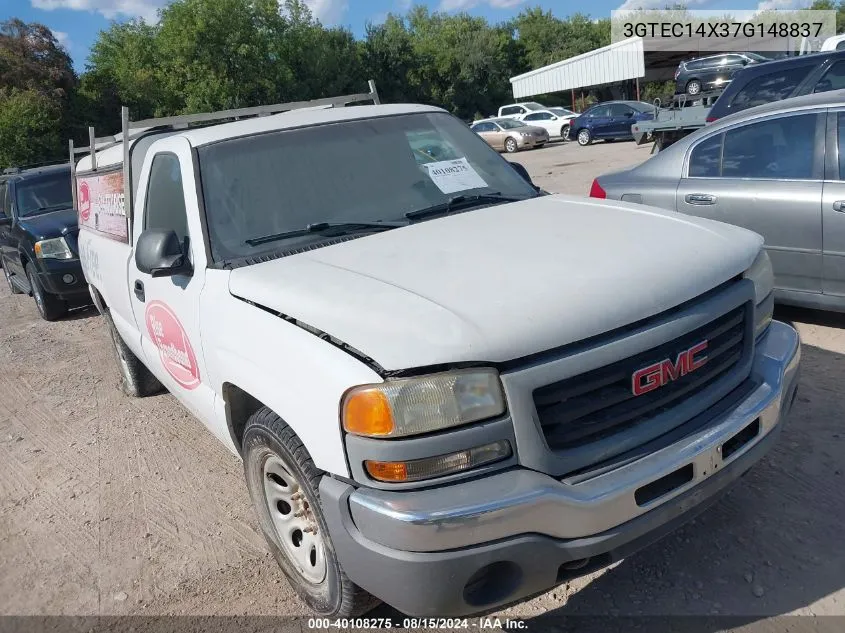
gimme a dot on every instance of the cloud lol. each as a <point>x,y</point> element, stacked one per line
<point>329,12</point>
<point>110,9</point>
<point>463,5</point>
<point>768,5</point>
<point>630,5</point>
<point>62,38</point>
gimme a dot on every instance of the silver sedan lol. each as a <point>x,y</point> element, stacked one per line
<point>777,169</point>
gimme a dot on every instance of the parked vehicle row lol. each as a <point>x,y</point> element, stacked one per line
<point>446,443</point>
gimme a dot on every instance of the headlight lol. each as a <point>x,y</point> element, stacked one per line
<point>410,406</point>
<point>55,248</point>
<point>763,277</point>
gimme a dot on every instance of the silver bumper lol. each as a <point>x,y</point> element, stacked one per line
<point>522,501</point>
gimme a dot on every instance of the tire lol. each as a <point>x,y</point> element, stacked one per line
<point>50,307</point>
<point>135,379</point>
<point>511,146</point>
<point>12,287</point>
<point>693,87</point>
<point>584,137</point>
<point>277,467</point>
<point>564,132</point>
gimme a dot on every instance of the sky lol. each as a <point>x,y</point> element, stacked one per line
<point>76,23</point>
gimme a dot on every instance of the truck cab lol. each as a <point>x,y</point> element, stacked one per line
<point>38,232</point>
<point>449,391</point>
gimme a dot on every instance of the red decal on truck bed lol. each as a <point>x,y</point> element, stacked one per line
<point>174,348</point>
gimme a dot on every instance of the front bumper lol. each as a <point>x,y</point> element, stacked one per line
<point>531,141</point>
<point>52,273</point>
<point>476,545</point>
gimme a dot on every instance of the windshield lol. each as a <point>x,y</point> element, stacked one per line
<point>642,106</point>
<point>41,194</point>
<point>756,57</point>
<point>532,105</point>
<point>509,124</point>
<point>561,111</point>
<point>368,170</point>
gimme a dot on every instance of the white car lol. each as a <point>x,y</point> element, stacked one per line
<point>449,390</point>
<point>554,120</point>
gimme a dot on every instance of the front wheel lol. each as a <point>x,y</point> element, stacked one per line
<point>564,132</point>
<point>283,484</point>
<point>584,137</point>
<point>12,287</point>
<point>50,307</point>
<point>511,146</point>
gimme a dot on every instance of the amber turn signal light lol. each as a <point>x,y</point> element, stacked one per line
<point>367,412</point>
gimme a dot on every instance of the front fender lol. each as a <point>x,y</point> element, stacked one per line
<point>293,372</point>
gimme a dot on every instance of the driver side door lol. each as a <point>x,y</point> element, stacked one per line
<point>166,308</point>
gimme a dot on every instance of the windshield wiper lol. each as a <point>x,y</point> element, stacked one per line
<point>460,202</point>
<point>326,228</point>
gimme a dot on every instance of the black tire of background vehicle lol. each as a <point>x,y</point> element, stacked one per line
<point>693,87</point>
<point>564,132</point>
<point>12,287</point>
<point>267,436</point>
<point>511,145</point>
<point>584,137</point>
<point>135,379</point>
<point>50,307</point>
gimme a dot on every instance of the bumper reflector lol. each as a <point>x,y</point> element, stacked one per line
<point>430,467</point>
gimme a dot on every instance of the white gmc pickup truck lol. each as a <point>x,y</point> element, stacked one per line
<point>450,390</point>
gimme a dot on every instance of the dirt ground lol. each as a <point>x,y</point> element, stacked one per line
<point>113,506</point>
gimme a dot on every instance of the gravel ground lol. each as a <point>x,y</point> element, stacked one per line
<point>114,506</point>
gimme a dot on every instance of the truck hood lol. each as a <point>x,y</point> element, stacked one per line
<point>502,282</point>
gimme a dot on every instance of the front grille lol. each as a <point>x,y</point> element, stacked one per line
<point>588,407</point>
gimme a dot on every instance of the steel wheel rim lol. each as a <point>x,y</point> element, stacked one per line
<point>583,137</point>
<point>510,145</point>
<point>297,530</point>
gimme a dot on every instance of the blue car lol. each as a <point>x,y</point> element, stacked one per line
<point>610,120</point>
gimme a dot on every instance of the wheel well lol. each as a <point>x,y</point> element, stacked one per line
<point>239,406</point>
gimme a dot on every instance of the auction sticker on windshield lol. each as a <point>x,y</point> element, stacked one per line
<point>454,175</point>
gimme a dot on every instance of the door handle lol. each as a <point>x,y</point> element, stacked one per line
<point>839,205</point>
<point>700,198</point>
<point>139,290</point>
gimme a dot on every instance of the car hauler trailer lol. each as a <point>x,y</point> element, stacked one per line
<point>685,115</point>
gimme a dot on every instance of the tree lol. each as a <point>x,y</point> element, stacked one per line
<point>31,59</point>
<point>28,127</point>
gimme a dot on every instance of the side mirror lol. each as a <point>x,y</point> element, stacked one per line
<point>5,220</point>
<point>160,254</point>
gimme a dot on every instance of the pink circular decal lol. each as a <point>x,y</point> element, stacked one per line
<point>84,201</point>
<point>174,348</point>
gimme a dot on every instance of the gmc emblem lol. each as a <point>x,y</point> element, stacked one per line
<point>665,371</point>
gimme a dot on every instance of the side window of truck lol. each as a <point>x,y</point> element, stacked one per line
<point>833,79</point>
<point>769,88</point>
<point>165,206</point>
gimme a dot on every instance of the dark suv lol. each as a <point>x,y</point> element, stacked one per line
<point>781,79</point>
<point>38,231</point>
<point>711,73</point>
